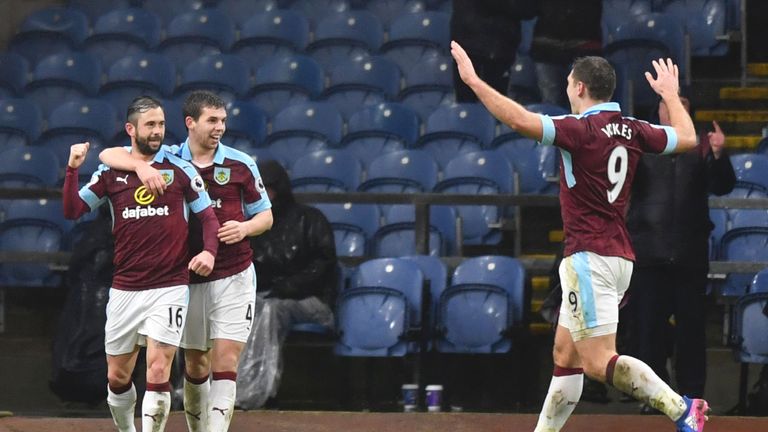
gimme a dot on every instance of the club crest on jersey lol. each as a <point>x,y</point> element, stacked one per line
<point>167,176</point>
<point>221,175</point>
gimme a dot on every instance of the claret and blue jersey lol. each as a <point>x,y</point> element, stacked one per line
<point>149,229</point>
<point>600,150</point>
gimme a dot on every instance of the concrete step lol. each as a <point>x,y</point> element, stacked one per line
<point>744,93</point>
<point>732,116</point>
<point>540,283</point>
<point>742,142</point>
<point>758,69</point>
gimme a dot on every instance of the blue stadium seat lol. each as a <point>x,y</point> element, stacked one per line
<point>742,244</point>
<point>61,78</point>
<point>353,226</point>
<point>20,123</point>
<point>456,129</point>
<point>615,12</point>
<point>371,322</point>
<point>332,170</point>
<point>436,272</point>
<point>415,36</point>
<point>405,171</point>
<point>242,10</point>
<point>401,275</point>
<point>49,31</point>
<point>32,226</point>
<point>751,169</point>
<point>197,33</point>
<point>536,165</point>
<point>705,22</point>
<point>636,43</point>
<point>175,126</point>
<point>746,218</point>
<point>29,167</point>
<point>285,81</point>
<point>375,130</point>
<point>272,34</point>
<point>316,10</point>
<point>13,74</point>
<point>483,305</point>
<point>145,74</point>
<point>526,36</point>
<point>548,109</point>
<point>224,74</point>
<point>168,10</point>
<point>721,224</point>
<point>749,338</point>
<point>91,120</point>
<point>123,32</point>
<point>428,84</point>
<point>397,235</point>
<point>523,84</point>
<point>246,124</point>
<point>352,35</point>
<point>303,128</point>
<point>357,83</point>
<point>93,9</point>
<point>389,10</point>
<point>478,173</point>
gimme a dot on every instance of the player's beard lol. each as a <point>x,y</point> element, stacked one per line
<point>142,143</point>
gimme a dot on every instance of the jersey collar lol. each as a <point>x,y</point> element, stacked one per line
<point>605,106</point>
<point>186,153</point>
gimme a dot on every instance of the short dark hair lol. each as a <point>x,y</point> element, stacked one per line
<point>199,99</point>
<point>141,105</point>
<point>597,75</point>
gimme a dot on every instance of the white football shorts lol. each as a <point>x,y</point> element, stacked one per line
<point>593,286</point>
<point>220,309</point>
<point>134,316</point>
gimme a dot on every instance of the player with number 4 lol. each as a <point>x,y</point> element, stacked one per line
<point>149,295</point>
<point>600,150</point>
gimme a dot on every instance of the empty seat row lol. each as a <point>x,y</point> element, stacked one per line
<point>211,31</point>
<point>476,310</point>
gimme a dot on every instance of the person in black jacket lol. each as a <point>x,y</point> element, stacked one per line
<point>296,269</point>
<point>564,31</point>
<point>489,31</point>
<point>668,220</point>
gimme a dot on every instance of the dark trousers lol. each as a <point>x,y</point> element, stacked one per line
<point>495,72</point>
<point>656,294</point>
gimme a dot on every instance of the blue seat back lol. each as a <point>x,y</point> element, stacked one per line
<point>20,122</point>
<point>49,31</point>
<point>245,122</point>
<point>13,74</point>
<point>331,170</point>
<point>286,80</point>
<point>356,83</point>
<point>407,171</point>
<point>354,226</point>
<point>751,320</point>
<point>241,11</point>
<point>393,273</point>
<point>751,168</point>
<point>397,236</point>
<point>371,322</point>
<point>31,167</point>
<point>344,36</point>
<point>742,244</point>
<point>197,33</point>
<point>502,271</point>
<point>416,36</point>
<point>225,74</point>
<point>472,319</point>
<point>272,34</point>
<point>123,32</point>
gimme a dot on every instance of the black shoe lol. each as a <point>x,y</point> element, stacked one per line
<point>594,391</point>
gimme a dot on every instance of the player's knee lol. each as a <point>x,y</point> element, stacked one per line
<point>564,357</point>
<point>118,378</point>
<point>158,371</point>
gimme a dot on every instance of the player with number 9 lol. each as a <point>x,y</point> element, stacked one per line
<point>600,150</point>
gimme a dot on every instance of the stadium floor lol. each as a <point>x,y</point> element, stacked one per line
<point>305,421</point>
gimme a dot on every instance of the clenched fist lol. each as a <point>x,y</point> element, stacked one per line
<point>77,154</point>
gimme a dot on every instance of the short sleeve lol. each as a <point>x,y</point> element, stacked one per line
<point>255,198</point>
<point>655,138</point>
<point>562,131</point>
<point>94,193</point>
